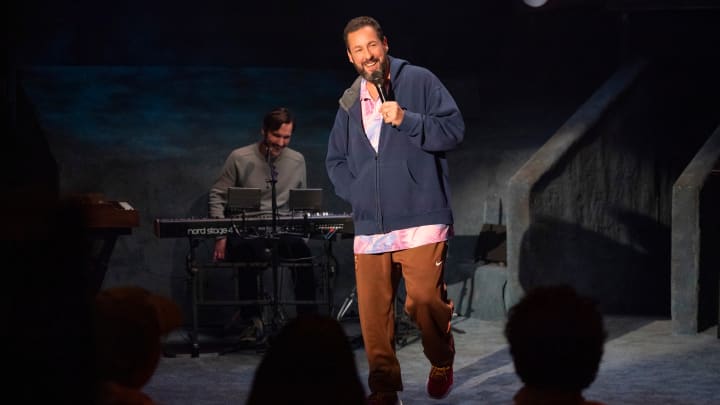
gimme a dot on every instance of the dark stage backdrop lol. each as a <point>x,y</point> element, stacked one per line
<point>142,101</point>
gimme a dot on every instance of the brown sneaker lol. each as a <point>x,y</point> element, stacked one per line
<point>440,382</point>
<point>384,398</point>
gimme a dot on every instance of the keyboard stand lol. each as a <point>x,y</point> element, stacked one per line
<point>196,271</point>
<point>273,319</point>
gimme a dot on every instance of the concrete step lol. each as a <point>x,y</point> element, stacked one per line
<point>482,295</point>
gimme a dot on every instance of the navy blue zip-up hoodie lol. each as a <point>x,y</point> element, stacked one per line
<point>404,184</point>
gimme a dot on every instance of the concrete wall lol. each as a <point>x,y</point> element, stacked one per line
<point>592,207</point>
<point>695,232</point>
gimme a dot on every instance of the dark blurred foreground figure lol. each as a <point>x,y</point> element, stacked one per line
<point>556,339</point>
<point>49,326</point>
<point>129,324</point>
<point>309,361</point>
<point>47,330</point>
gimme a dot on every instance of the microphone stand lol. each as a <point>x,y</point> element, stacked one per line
<point>278,317</point>
<point>272,181</point>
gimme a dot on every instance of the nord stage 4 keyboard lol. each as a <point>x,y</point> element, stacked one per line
<point>212,227</point>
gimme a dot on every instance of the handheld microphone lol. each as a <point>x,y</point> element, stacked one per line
<point>378,80</point>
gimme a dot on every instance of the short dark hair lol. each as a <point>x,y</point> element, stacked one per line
<point>311,355</point>
<point>275,118</point>
<point>556,338</point>
<point>359,22</point>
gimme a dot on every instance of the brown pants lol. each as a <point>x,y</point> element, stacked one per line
<point>377,277</point>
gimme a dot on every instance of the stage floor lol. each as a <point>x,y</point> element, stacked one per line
<point>643,363</point>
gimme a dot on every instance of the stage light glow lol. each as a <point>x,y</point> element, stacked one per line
<point>535,3</point>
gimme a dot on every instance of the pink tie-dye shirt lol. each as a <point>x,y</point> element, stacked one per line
<point>402,238</point>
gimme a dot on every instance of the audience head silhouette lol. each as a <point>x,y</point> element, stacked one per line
<point>310,357</point>
<point>556,339</point>
<point>129,324</point>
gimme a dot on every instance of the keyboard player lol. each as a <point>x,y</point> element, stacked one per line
<point>251,166</point>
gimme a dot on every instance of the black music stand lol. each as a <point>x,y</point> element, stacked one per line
<point>241,200</point>
<point>309,200</point>
<point>243,197</point>
<point>305,199</point>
